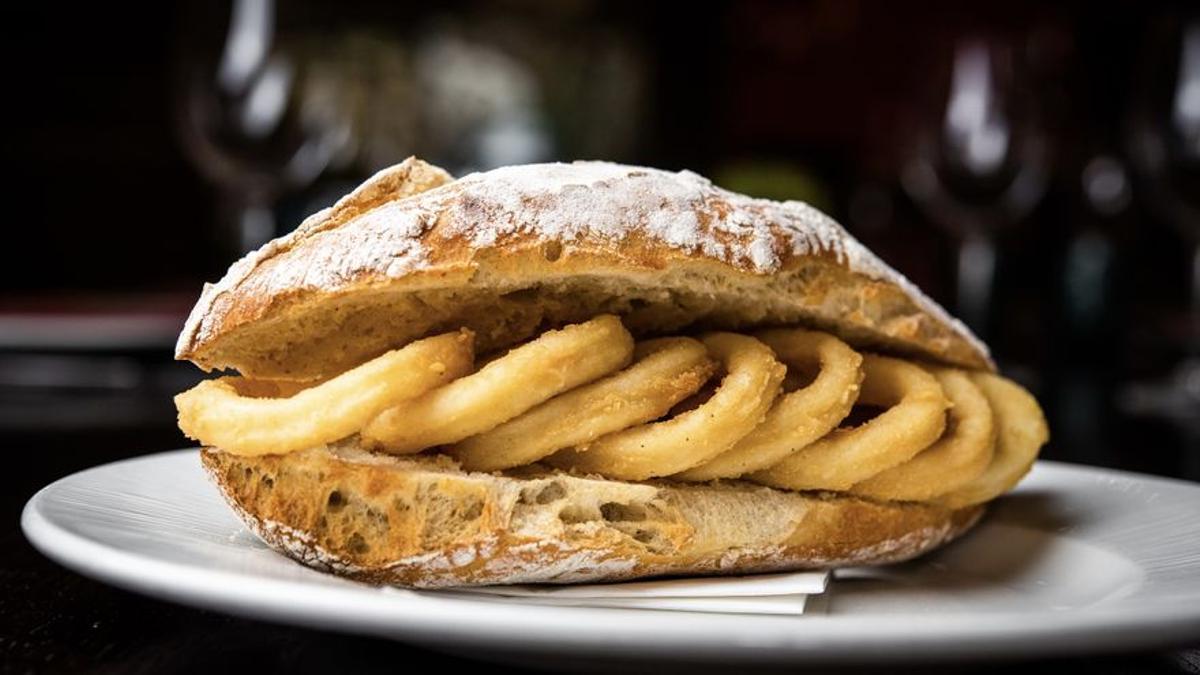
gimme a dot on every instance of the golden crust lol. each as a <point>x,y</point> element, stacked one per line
<point>509,252</point>
<point>424,523</point>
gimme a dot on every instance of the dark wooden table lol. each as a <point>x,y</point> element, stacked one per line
<point>53,620</point>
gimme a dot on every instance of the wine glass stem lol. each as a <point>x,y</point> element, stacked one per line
<point>1194,323</point>
<point>249,219</point>
<point>976,274</point>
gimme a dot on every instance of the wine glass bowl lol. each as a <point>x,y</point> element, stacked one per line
<point>246,125</point>
<point>979,166</point>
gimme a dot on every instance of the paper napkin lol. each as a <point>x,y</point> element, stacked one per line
<point>785,593</point>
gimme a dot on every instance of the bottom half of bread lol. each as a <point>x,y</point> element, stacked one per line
<point>423,522</point>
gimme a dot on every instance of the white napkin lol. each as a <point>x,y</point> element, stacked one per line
<point>784,593</point>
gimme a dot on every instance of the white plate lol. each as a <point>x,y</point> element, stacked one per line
<point>1076,560</point>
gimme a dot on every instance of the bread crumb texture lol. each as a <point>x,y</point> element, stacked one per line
<point>422,522</point>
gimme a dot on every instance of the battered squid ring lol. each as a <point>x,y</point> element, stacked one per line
<point>665,372</point>
<point>554,362</point>
<point>751,383</point>
<point>800,417</point>
<point>225,413</point>
<point>953,461</point>
<point>914,421</point>
<point>1022,431</point>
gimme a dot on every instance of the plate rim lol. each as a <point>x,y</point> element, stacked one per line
<point>488,625</point>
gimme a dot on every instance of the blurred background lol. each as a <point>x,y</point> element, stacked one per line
<point>1035,167</point>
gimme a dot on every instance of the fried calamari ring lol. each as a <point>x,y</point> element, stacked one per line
<point>752,380</point>
<point>915,419</point>
<point>800,417</point>
<point>225,414</point>
<point>665,372</point>
<point>554,362</point>
<point>1022,432</point>
<point>956,459</point>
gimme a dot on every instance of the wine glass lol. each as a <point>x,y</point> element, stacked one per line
<point>245,125</point>
<point>980,168</point>
<point>1163,141</point>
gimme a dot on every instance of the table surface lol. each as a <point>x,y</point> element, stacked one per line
<point>53,620</point>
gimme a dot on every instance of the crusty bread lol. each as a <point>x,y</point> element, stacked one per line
<point>510,252</point>
<point>423,522</point>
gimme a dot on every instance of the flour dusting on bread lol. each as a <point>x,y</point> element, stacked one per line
<point>645,235</point>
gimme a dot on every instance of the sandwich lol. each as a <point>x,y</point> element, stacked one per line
<point>561,373</point>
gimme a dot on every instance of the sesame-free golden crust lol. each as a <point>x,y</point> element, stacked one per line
<point>509,252</point>
<point>424,523</point>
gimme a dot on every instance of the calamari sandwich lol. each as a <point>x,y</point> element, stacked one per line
<point>590,371</point>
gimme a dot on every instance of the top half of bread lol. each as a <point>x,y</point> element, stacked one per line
<point>510,252</point>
